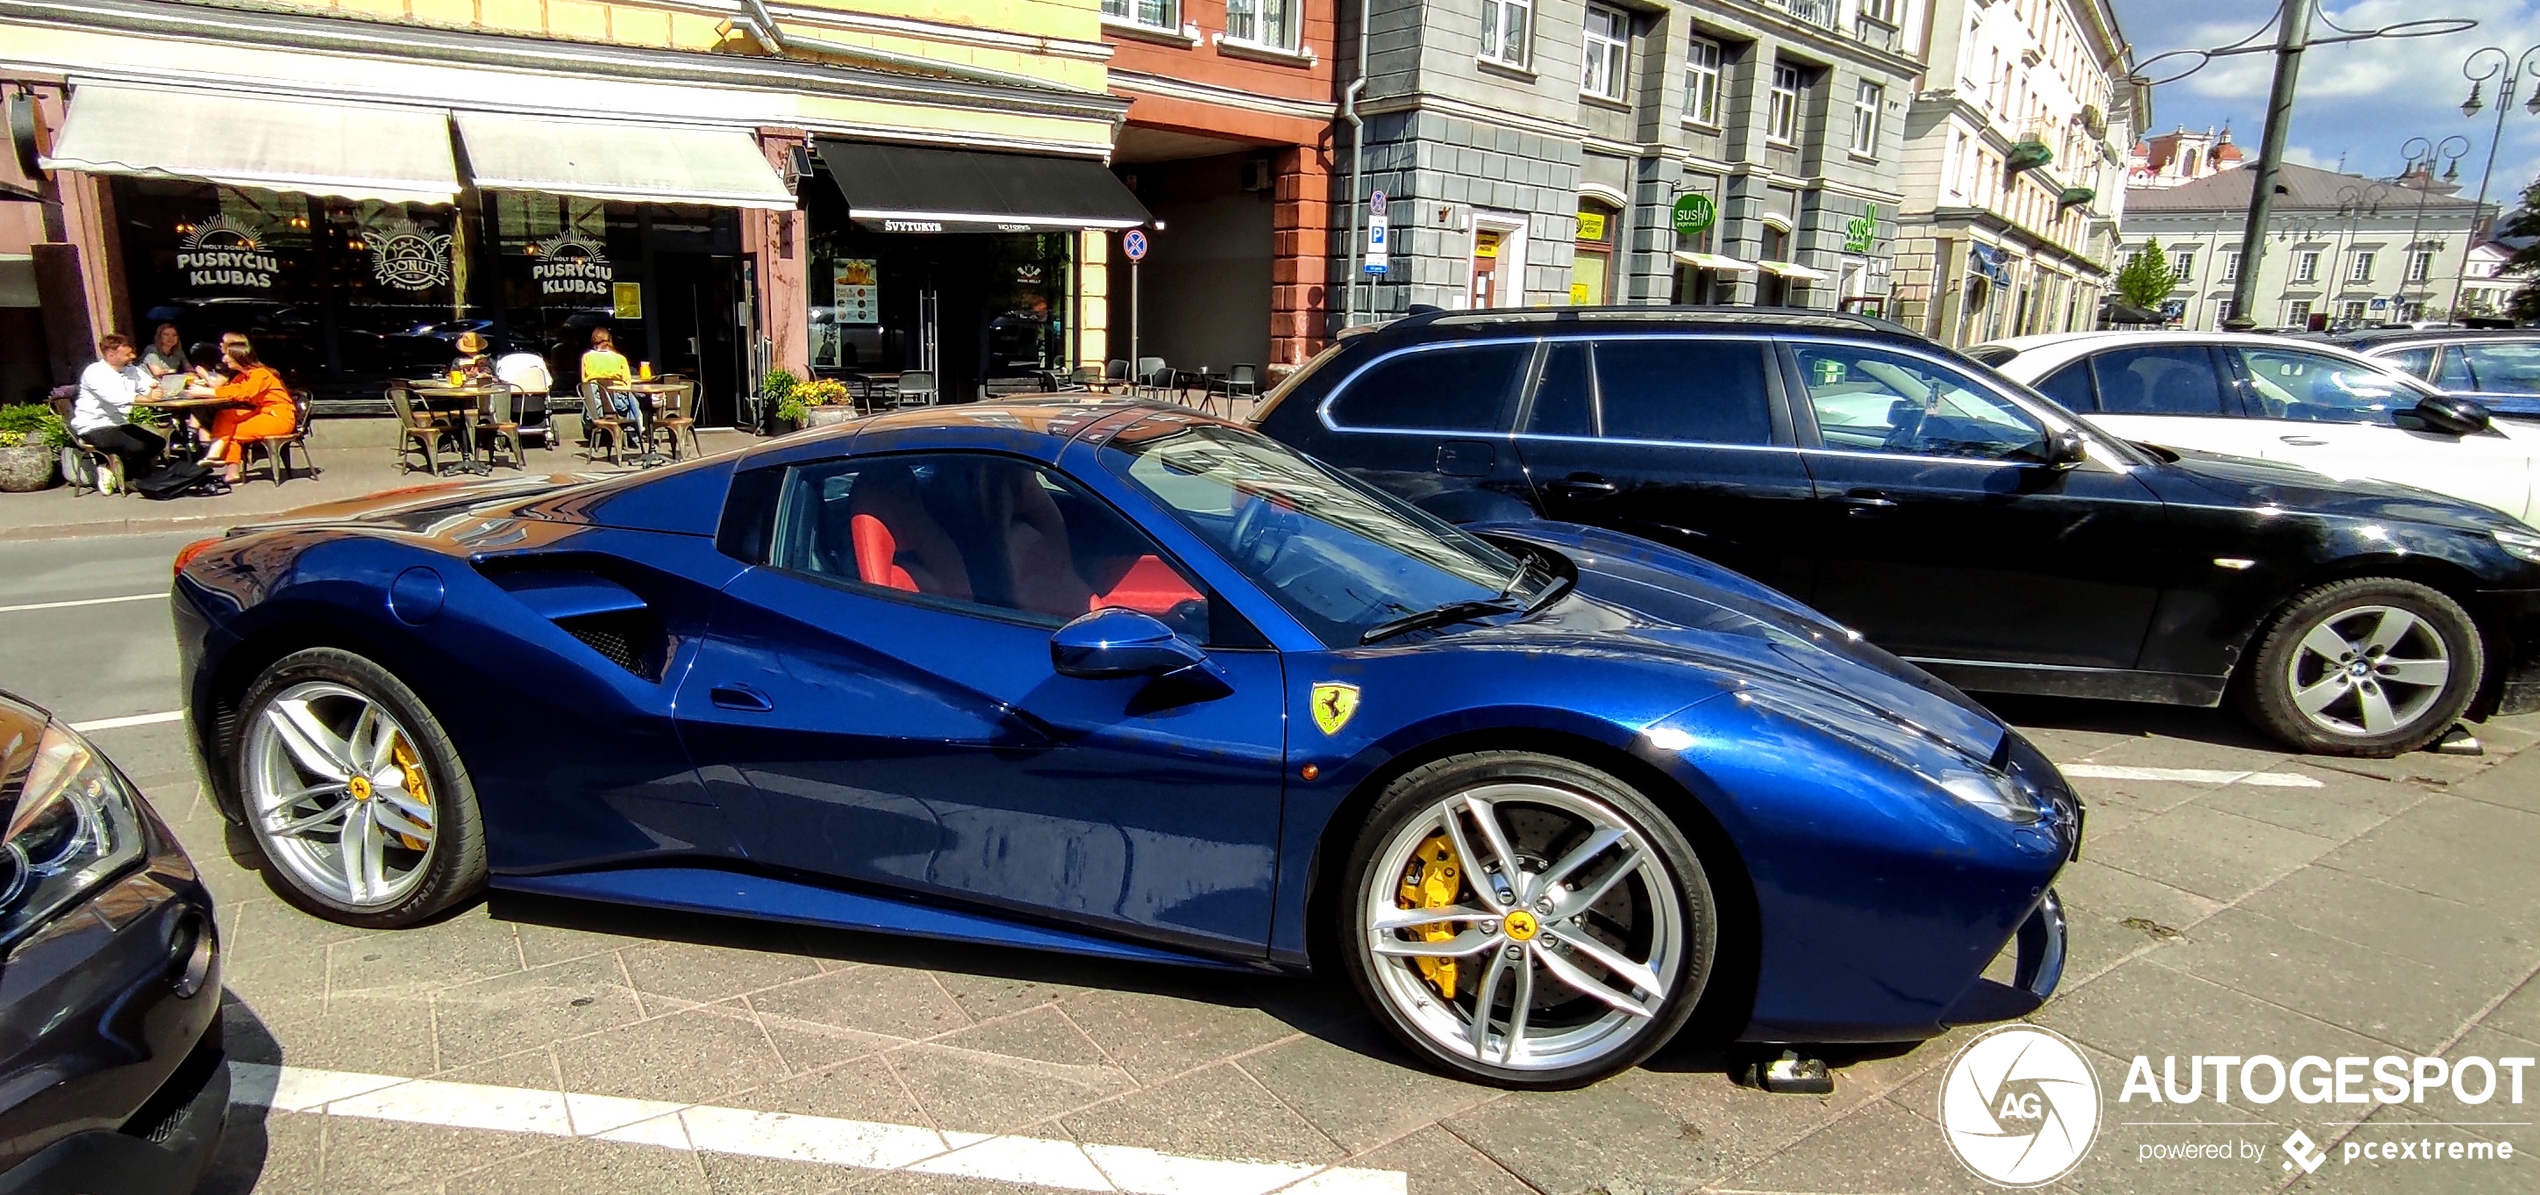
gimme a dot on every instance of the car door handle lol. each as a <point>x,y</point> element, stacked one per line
<point>1585,486</point>
<point>740,697</point>
<point>1866,503</point>
<point>2303,441</point>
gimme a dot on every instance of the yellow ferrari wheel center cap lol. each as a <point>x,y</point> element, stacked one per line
<point>358,788</point>
<point>1522,926</point>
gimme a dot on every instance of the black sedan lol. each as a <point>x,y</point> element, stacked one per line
<point>1951,516</point>
<point>112,1075</point>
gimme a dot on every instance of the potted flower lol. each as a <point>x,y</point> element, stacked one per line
<point>773,392</point>
<point>818,403</point>
<point>31,440</point>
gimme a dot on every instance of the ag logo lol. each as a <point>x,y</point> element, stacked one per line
<point>1333,703</point>
<point>2020,1106</point>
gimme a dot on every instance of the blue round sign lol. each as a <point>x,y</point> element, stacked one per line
<point>1134,243</point>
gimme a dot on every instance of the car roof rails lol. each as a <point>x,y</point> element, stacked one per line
<point>1726,316</point>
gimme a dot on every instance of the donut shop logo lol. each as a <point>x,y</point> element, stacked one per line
<point>223,254</point>
<point>569,267</point>
<point>407,256</point>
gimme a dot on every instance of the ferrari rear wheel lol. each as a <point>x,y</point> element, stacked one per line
<point>354,793</point>
<point>1526,921</point>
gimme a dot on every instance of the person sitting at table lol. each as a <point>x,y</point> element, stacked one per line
<point>472,365</point>
<point>605,364</point>
<point>166,354</point>
<point>260,406</point>
<point>102,417</point>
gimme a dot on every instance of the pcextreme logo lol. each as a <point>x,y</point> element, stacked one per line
<point>2020,1106</point>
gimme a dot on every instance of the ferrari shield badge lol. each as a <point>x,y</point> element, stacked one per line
<point>1334,702</point>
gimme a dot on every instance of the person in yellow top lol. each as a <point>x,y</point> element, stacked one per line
<point>605,364</point>
<point>261,406</point>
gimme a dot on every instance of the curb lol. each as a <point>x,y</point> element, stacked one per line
<point>208,523</point>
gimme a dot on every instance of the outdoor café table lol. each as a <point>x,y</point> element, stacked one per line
<point>467,404</point>
<point>181,437</point>
<point>646,411</point>
<point>864,384</point>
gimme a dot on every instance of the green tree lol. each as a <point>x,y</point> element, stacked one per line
<point>2524,305</point>
<point>2147,281</point>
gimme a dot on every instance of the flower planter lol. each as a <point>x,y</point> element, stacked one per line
<point>826,416</point>
<point>27,467</point>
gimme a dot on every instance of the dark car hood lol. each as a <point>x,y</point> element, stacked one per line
<point>1657,603</point>
<point>2213,479</point>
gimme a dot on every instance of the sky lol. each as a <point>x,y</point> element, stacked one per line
<point>2360,102</point>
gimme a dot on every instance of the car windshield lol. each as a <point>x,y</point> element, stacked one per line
<point>1341,557</point>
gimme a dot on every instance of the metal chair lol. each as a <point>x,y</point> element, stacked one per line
<point>1239,380</point>
<point>1155,379</point>
<point>417,430</point>
<point>678,415</point>
<point>1115,375</point>
<point>917,385</point>
<point>600,419</point>
<point>277,449</point>
<point>84,465</point>
<point>501,425</point>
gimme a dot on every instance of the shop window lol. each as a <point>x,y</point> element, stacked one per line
<point>1790,88</point>
<point>1591,270</point>
<point>1605,57</point>
<point>1262,22</point>
<point>1155,14</point>
<point>1505,27</point>
<point>1702,82</point>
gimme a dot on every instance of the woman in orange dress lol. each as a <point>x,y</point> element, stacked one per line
<point>262,405</point>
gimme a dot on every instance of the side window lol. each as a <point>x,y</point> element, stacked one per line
<point>2416,362</point>
<point>2172,379</point>
<point>2316,388</point>
<point>1868,399</point>
<point>2502,368</point>
<point>988,532</point>
<point>1691,390</point>
<point>1562,397</point>
<point>2456,373</point>
<point>2071,387</point>
<point>1465,388</point>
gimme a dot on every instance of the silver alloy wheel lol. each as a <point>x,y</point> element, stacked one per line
<point>2368,671</point>
<point>339,795</point>
<point>1576,953</point>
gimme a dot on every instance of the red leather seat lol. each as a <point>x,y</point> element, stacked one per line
<point>897,543</point>
<point>1042,562</point>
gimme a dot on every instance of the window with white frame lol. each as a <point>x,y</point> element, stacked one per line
<point>2350,312</point>
<point>2420,265</point>
<point>2231,267</point>
<point>1605,52</point>
<point>1865,117</point>
<point>2183,262</point>
<point>2306,266</point>
<point>1262,22</point>
<point>1781,117</point>
<point>2362,271</point>
<point>2297,313</point>
<point>1882,11</point>
<point>1702,82</point>
<point>1506,25</point>
<point>1154,14</point>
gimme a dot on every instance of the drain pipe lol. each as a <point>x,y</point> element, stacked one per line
<point>1357,168</point>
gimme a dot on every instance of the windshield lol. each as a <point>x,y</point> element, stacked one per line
<point>1295,379</point>
<point>1341,557</point>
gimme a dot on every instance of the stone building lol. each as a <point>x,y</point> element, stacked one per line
<point>2179,156</point>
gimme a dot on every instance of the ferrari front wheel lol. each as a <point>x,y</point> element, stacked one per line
<point>1523,920</point>
<point>354,793</point>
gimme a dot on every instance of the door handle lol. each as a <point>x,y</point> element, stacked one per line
<point>740,697</point>
<point>2303,441</point>
<point>1866,503</point>
<point>1584,486</point>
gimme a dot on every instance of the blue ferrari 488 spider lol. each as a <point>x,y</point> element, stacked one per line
<point>1120,679</point>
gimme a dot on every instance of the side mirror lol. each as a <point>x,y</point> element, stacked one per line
<point>2065,448</point>
<point>2453,415</point>
<point>1116,643</point>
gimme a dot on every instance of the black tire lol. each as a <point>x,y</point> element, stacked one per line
<point>2283,673</point>
<point>453,864</point>
<point>1410,806</point>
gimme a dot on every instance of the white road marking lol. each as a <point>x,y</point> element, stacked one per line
<point>2096,771</point>
<point>98,724</point>
<point>160,596</point>
<point>851,1144</point>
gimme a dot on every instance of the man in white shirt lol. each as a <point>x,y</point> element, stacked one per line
<point>102,418</point>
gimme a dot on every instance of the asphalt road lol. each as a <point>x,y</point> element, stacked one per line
<point>2231,901</point>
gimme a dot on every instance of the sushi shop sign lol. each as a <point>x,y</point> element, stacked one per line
<point>569,267</point>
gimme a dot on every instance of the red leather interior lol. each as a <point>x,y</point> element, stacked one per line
<point>876,550</point>
<point>1149,587</point>
<point>897,543</point>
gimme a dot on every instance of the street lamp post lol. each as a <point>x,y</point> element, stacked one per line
<point>2421,151</point>
<point>2354,203</point>
<point>2513,67</point>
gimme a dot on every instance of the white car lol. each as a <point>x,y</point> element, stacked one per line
<point>2301,402</point>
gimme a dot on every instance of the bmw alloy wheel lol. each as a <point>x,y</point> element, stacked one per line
<point>338,794</point>
<point>1525,928</point>
<point>2368,670</point>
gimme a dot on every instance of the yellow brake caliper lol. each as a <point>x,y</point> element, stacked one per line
<point>408,763</point>
<point>1432,881</point>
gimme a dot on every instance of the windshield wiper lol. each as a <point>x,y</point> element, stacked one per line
<point>1438,616</point>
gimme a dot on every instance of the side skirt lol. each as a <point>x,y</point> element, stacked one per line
<point>2103,684</point>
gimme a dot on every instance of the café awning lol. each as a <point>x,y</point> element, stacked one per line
<point>620,160</point>
<point>355,151</point>
<point>1714,261</point>
<point>1793,271</point>
<point>907,188</point>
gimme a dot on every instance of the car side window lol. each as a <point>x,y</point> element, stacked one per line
<point>991,533</point>
<point>2167,379</point>
<point>1683,389</point>
<point>2316,388</point>
<point>2071,387</point>
<point>1869,399</point>
<point>1563,399</point>
<point>2416,362</point>
<point>2502,368</point>
<point>1460,388</point>
<point>2456,373</point>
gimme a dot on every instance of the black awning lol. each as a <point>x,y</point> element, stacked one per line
<point>906,188</point>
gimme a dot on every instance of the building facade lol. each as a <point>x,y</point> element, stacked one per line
<point>2343,251</point>
<point>2014,168</point>
<point>860,187</point>
<point>2179,156</point>
<point>1567,152</point>
<point>1229,143</point>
